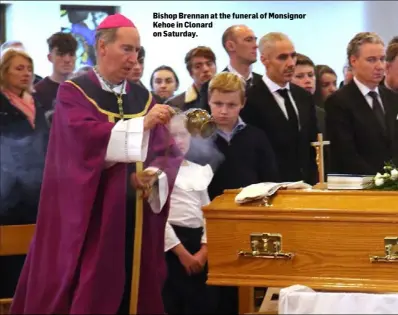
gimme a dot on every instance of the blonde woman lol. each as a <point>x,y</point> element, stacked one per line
<point>23,140</point>
<point>24,136</point>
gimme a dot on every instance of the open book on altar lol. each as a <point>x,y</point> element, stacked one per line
<point>264,190</point>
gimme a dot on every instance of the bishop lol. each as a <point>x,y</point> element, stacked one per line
<point>98,246</point>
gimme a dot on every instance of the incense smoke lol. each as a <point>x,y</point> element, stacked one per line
<point>201,150</point>
<point>204,151</point>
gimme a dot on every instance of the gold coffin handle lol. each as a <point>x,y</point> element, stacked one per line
<point>384,259</point>
<point>391,251</point>
<point>266,246</point>
<point>264,255</point>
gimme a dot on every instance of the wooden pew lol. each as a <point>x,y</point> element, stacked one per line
<point>14,240</point>
<point>5,306</point>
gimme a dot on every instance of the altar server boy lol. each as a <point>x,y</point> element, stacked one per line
<point>185,236</point>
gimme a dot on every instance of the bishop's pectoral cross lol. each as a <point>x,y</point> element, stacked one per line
<point>320,160</point>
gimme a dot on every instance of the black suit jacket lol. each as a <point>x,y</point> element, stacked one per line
<point>204,99</point>
<point>320,117</point>
<point>296,158</point>
<point>37,79</point>
<point>358,143</point>
<point>178,101</point>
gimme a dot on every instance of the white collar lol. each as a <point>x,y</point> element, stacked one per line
<point>363,88</point>
<point>116,89</point>
<point>272,86</point>
<point>203,175</point>
<point>233,70</point>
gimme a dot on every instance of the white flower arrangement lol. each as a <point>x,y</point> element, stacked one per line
<point>386,181</point>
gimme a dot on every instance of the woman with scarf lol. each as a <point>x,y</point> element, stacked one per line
<point>24,134</point>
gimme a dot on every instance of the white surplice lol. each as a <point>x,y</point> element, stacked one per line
<point>128,143</point>
<point>187,198</point>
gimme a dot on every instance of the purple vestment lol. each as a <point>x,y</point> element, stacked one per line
<point>76,261</point>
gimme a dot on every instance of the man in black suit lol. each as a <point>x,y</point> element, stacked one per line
<point>348,75</point>
<point>240,43</point>
<point>393,41</point>
<point>391,67</point>
<point>201,65</point>
<point>391,78</point>
<point>361,117</point>
<point>138,70</point>
<point>285,111</point>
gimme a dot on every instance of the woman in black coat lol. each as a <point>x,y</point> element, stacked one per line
<point>24,133</point>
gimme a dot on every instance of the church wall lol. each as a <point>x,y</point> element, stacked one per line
<point>382,18</point>
<point>323,34</point>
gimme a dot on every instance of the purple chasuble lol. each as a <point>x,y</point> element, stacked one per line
<point>77,260</point>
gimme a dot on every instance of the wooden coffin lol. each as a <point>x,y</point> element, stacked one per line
<point>327,240</point>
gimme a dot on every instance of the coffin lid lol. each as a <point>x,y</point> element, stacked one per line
<point>356,205</point>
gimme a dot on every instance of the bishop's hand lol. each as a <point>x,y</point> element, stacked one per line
<point>159,114</point>
<point>144,181</point>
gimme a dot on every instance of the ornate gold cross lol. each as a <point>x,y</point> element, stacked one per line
<point>320,160</point>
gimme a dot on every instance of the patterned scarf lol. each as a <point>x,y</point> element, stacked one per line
<point>25,104</point>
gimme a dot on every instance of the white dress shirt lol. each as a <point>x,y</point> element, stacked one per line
<point>365,92</point>
<point>273,87</point>
<point>187,199</point>
<point>233,70</point>
<point>128,143</point>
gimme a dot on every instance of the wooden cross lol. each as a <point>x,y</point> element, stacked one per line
<point>320,159</point>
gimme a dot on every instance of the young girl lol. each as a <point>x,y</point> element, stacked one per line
<point>164,83</point>
<point>185,236</point>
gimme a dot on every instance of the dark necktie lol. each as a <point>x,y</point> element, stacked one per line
<point>291,113</point>
<point>248,85</point>
<point>378,109</point>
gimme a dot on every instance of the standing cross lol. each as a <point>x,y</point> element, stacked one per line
<point>320,159</point>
